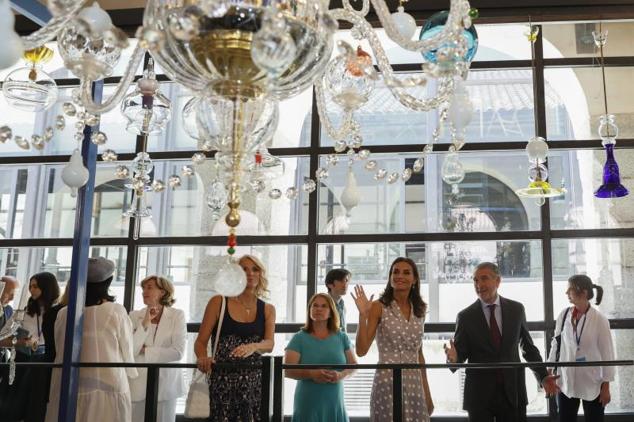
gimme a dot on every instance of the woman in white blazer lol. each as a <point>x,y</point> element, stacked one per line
<point>159,335</point>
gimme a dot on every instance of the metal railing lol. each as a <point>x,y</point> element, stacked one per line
<point>272,367</point>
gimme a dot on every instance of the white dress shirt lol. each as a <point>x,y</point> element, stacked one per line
<point>595,344</point>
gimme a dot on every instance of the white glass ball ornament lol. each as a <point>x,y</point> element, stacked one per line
<point>230,280</point>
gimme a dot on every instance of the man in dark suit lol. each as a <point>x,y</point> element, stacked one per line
<point>492,330</point>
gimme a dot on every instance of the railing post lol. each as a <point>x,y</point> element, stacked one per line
<point>151,393</point>
<point>278,389</point>
<point>397,394</point>
<point>267,379</point>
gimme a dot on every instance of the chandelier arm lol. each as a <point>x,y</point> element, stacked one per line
<point>365,7</point>
<point>334,133</point>
<point>52,27</point>
<point>394,84</point>
<point>120,91</point>
<point>452,30</point>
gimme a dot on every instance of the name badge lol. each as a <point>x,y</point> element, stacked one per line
<point>580,359</point>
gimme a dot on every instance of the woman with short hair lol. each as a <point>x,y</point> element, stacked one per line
<point>319,392</point>
<point>160,333</point>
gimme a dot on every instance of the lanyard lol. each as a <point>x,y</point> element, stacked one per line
<point>574,327</point>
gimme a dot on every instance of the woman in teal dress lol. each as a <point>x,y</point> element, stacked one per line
<point>319,392</point>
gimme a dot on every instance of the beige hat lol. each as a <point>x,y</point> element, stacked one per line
<point>99,269</point>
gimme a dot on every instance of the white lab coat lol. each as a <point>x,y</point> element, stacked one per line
<point>104,393</point>
<point>167,346</point>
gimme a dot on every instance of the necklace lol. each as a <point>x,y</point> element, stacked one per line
<point>244,305</point>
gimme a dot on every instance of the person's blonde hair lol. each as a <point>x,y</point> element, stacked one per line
<point>333,319</point>
<point>262,289</point>
<point>165,285</point>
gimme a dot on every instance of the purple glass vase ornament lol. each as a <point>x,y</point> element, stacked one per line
<point>611,187</point>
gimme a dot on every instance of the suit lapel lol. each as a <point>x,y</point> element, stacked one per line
<point>165,325</point>
<point>507,322</point>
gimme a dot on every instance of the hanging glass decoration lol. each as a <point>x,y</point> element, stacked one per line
<point>452,171</point>
<point>30,88</point>
<point>146,108</point>
<point>538,187</point>
<point>405,22</point>
<point>608,131</point>
<point>464,50</point>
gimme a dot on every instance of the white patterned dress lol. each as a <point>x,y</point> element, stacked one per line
<point>398,341</point>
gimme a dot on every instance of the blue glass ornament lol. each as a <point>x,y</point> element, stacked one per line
<point>435,24</point>
<point>611,187</point>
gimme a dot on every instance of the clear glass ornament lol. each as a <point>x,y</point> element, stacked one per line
<point>364,154</point>
<point>158,185</point>
<point>350,79</point>
<point>275,194</point>
<point>199,158</point>
<point>332,160</point>
<point>174,181</point>
<point>6,133</point>
<point>69,109</point>
<point>608,130</point>
<point>109,155</point>
<point>187,171</point>
<point>30,89</point>
<point>292,193</point>
<point>142,163</point>
<point>406,175</point>
<point>122,172</point>
<point>418,165</point>
<point>309,185</point>
<point>38,142</point>
<point>88,56</point>
<point>21,142</point>
<point>393,177</point>
<point>340,146</point>
<point>321,173</point>
<point>380,174</point>
<point>452,169</point>
<point>217,196</point>
<point>98,138</point>
<point>370,165</point>
<point>273,48</point>
<point>60,122</point>
<point>537,173</point>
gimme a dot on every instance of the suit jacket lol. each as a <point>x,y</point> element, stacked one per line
<point>474,344</point>
<point>169,346</point>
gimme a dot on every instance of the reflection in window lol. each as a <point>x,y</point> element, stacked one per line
<point>446,279</point>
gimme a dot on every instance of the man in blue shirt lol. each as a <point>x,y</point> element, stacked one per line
<point>337,281</point>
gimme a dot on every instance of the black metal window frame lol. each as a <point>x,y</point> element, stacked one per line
<point>313,239</point>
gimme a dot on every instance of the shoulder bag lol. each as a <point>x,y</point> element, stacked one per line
<point>198,401</point>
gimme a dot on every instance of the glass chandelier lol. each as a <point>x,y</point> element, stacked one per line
<point>241,58</point>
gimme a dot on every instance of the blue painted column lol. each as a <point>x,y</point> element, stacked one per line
<point>79,269</point>
<point>32,9</point>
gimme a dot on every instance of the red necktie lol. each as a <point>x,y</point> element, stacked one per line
<point>496,337</point>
